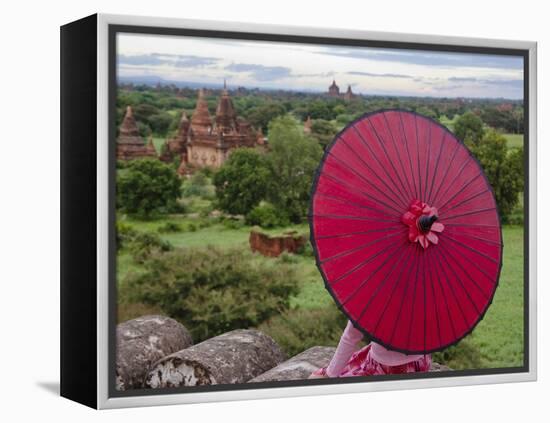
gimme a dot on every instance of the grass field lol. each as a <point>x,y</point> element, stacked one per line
<point>496,342</point>
<point>157,142</point>
<point>514,140</point>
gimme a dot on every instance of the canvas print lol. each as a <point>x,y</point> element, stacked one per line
<point>296,212</point>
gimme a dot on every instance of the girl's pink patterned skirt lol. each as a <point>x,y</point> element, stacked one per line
<point>361,364</point>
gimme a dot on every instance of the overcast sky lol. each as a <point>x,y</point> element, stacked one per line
<point>305,67</point>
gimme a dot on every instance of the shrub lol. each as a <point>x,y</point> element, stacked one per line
<point>213,291</point>
<point>241,181</point>
<point>144,244</point>
<point>300,329</point>
<point>267,216</point>
<point>306,250</point>
<point>288,258</point>
<point>207,171</point>
<point>198,185</point>
<point>147,186</point>
<point>124,234</point>
<point>169,227</point>
<point>204,223</point>
<point>232,223</point>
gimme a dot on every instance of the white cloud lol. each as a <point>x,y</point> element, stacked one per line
<point>308,67</point>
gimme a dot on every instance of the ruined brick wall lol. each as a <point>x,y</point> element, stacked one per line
<point>273,246</point>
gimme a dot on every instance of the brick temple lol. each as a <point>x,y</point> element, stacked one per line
<point>334,90</point>
<point>130,144</point>
<point>206,141</point>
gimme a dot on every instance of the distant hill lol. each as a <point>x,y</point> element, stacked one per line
<point>154,80</point>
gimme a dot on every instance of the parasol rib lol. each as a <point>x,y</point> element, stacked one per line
<point>360,247</point>
<point>347,234</point>
<point>413,302</point>
<point>488,241</point>
<point>358,266</point>
<point>418,157</point>
<point>404,194</point>
<point>344,184</point>
<point>345,217</point>
<point>380,266</point>
<point>428,159</point>
<point>460,191</point>
<point>379,287</point>
<point>364,179</point>
<point>469,276</point>
<point>450,184</point>
<point>432,201</point>
<point>353,203</point>
<point>470,213</point>
<point>462,202</point>
<point>444,256</point>
<point>441,145</point>
<point>450,285</point>
<point>408,154</point>
<point>436,311</point>
<point>438,278</point>
<point>398,155</point>
<point>396,321</point>
<point>397,197</point>
<point>394,288</point>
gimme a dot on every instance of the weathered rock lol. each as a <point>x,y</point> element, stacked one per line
<point>436,367</point>
<point>143,341</point>
<point>302,365</point>
<point>234,357</point>
<point>273,246</point>
<point>298,367</point>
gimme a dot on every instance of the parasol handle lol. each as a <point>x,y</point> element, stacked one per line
<point>426,222</point>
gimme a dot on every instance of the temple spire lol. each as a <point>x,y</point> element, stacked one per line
<point>200,120</point>
<point>130,145</point>
<point>307,125</point>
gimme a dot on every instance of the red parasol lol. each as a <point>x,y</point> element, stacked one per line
<point>406,231</point>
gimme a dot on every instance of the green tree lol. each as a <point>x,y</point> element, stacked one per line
<point>259,117</point>
<point>160,123</point>
<point>241,182</point>
<point>319,109</point>
<point>504,170</point>
<point>147,186</point>
<point>469,128</point>
<point>293,158</point>
<point>323,131</point>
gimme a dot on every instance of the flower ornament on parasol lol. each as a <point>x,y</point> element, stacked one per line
<point>422,222</point>
<point>406,232</point>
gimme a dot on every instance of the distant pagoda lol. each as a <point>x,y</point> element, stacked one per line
<point>130,145</point>
<point>151,150</point>
<point>307,125</point>
<point>349,95</point>
<point>334,90</point>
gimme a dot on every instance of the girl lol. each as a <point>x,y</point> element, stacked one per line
<point>372,359</point>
